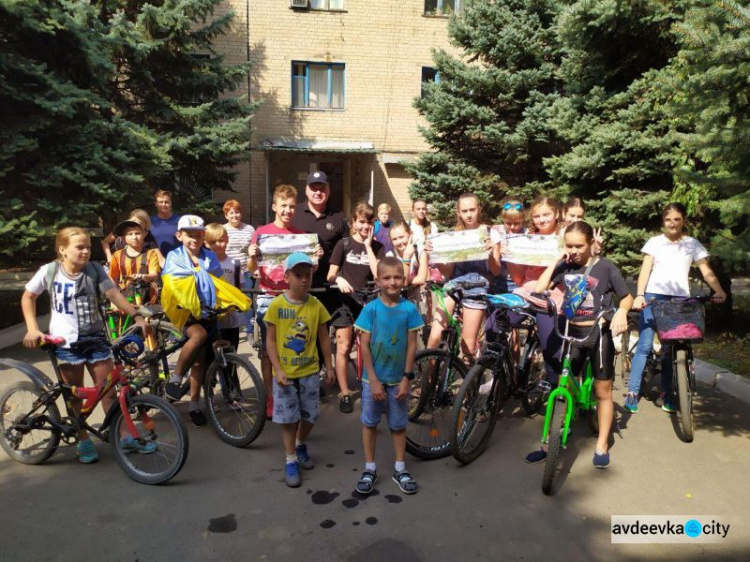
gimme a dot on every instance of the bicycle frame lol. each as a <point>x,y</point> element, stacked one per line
<point>91,396</point>
<point>576,395</point>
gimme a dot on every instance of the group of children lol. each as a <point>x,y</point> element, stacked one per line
<point>294,323</point>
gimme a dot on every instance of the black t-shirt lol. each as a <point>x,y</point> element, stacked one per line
<point>604,281</point>
<point>331,226</point>
<point>355,265</point>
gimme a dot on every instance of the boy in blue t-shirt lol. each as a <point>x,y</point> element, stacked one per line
<point>389,328</point>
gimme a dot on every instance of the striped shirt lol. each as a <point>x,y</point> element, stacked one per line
<point>239,240</point>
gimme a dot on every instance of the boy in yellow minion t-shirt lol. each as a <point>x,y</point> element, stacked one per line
<point>294,320</point>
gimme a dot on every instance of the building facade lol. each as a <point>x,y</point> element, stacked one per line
<point>336,80</point>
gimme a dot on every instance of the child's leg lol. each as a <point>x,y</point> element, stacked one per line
<point>197,373</point>
<point>73,374</point>
<point>99,372</point>
<point>606,409</point>
<point>397,413</point>
<point>399,444</point>
<point>440,322</point>
<point>343,349</point>
<point>369,440</point>
<point>196,338</point>
<point>473,318</point>
<point>288,435</point>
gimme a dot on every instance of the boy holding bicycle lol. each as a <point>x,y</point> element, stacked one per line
<point>294,321</point>
<point>389,327</point>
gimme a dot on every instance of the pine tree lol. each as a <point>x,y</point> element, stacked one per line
<point>65,152</point>
<point>102,102</point>
<point>488,112</point>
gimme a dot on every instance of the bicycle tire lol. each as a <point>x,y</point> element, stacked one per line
<point>684,395</point>
<point>159,372</point>
<point>11,439</point>
<point>625,358</point>
<point>475,412</point>
<point>554,445</point>
<point>168,431</point>
<point>236,402</point>
<point>428,431</point>
<point>533,397</point>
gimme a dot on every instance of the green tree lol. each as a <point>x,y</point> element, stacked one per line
<point>710,105</point>
<point>65,152</point>
<point>488,111</point>
<point>104,101</point>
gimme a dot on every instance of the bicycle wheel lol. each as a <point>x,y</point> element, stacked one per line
<point>554,445</point>
<point>624,364</point>
<point>429,429</point>
<point>475,412</point>
<point>235,400</point>
<point>684,394</point>
<point>156,420</point>
<point>537,388</point>
<point>27,437</point>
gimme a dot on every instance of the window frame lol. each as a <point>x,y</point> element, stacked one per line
<point>330,66</point>
<point>327,7</point>
<point>435,79</point>
<point>440,12</point>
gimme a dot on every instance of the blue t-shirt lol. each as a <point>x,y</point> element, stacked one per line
<point>164,231</point>
<point>389,327</point>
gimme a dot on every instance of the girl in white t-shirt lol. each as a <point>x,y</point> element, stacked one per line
<point>73,284</point>
<point>664,274</point>
<point>420,225</point>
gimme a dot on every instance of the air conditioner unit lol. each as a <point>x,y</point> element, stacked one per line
<point>299,3</point>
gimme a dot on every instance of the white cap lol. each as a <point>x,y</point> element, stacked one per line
<point>191,222</point>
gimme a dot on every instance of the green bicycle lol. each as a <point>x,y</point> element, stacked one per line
<point>567,402</point>
<point>438,377</point>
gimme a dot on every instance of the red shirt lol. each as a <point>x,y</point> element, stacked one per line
<point>272,278</point>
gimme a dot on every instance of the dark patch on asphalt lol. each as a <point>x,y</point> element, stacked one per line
<point>225,524</point>
<point>330,465</point>
<point>394,499</point>
<point>327,523</point>
<point>348,452</point>
<point>371,520</point>
<point>350,503</point>
<point>323,497</point>
<point>309,492</point>
<point>355,469</point>
<point>357,496</point>
<point>355,523</point>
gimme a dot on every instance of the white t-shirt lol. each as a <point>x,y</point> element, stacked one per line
<point>229,266</point>
<point>239,240</point>
<point>672,261</point>
<point>73,310</point>
<point>418,234</point>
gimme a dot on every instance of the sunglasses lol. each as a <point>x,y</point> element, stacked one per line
<point>516,206</point>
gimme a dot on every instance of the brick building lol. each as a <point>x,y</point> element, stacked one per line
<point>336,79</point>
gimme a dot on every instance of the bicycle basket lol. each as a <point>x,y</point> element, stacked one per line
<point>679,320</point>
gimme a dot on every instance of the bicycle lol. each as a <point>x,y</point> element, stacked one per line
<point>494,378</point>
<point>680,322</point>
<point>438,375</point>
<point>567,401</point>
<point>237,411</point>
<point>624,359</point>
<point>31,427</point>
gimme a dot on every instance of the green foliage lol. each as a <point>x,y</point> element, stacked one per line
<point>626,104</point>
<point>488,113</point>
<point>102,102</point>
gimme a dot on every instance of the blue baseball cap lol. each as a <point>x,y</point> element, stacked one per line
<point>296,258</point>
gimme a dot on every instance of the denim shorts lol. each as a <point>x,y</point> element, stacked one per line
<point>396,411</point>
<point>299,400</point>
<point>262,303</point>
<point>89,349</point>
<point>468,302</point>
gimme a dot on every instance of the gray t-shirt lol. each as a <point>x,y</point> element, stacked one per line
<point>74,311</point>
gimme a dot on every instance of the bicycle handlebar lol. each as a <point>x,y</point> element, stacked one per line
<point>552,306</point>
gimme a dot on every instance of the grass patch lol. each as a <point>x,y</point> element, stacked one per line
<point>727,342</point>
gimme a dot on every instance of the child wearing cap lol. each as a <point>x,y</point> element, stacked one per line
<point>133,261</point>
<point>191,270</point>
<point>294,321</point>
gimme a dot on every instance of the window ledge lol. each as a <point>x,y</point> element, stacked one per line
<point>296,9</point>
<point>437,16</point>
<point>332,110</point>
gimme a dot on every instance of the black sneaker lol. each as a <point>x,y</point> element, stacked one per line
<point>536,456</point>
<point>198,419</point>
<point>173,390</point>
<point>345,404</point>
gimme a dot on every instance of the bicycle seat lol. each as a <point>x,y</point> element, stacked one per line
<point>507,301</point>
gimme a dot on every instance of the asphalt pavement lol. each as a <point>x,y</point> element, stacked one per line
<point>232,504</point>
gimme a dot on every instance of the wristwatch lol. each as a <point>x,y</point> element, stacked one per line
<point>410,375</point>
